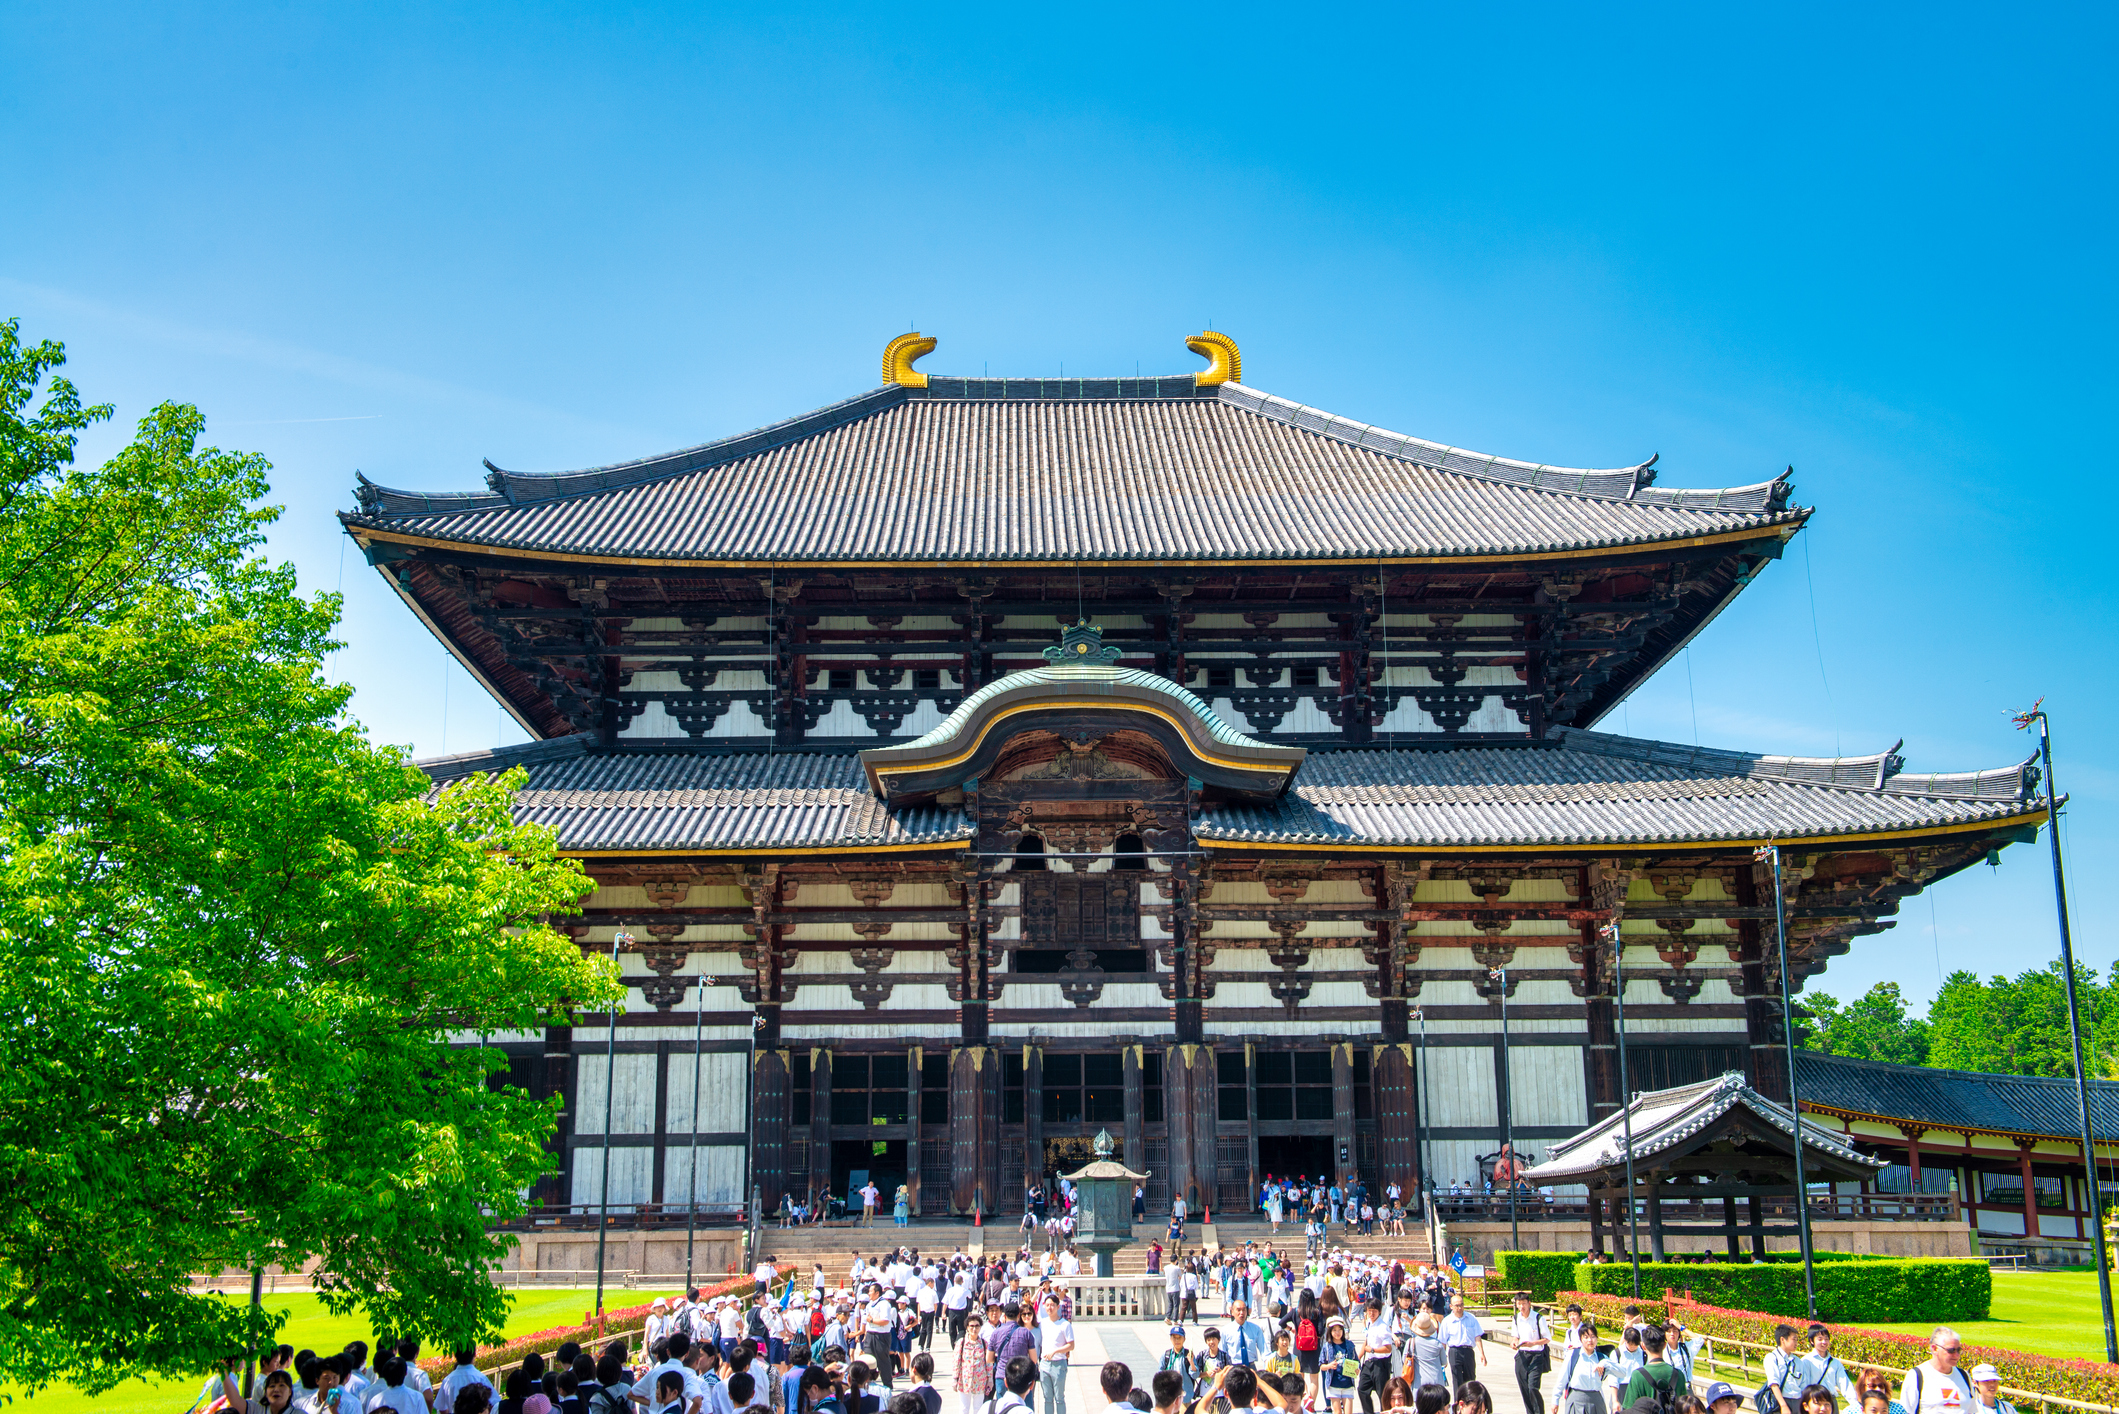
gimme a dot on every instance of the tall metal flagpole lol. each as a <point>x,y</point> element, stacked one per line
<point>2074,1020</point>
<point>1795,1108</point>
<point>610,1079</point>
<point>691,1188</point>
<point>1633,1217</point>
<point>1508,1112</point>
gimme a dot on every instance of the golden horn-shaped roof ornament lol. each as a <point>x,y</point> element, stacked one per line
<point>1224,359</point>
<point>899,355</point>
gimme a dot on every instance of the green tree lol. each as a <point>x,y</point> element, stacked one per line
<point>239,938</point>
<point>2019,1026</point>
<point>1873,1026</point>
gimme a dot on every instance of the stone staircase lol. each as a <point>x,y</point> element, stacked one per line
<point>835,1245</point>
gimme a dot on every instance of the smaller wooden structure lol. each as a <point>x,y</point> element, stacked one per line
<point>1698,1150</point>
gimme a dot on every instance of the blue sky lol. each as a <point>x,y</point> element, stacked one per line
<point>1871,242</point>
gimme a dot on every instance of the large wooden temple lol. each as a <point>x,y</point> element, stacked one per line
<point>986,762</point>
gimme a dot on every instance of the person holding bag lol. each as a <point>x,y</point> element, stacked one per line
<point>1533,1341</point>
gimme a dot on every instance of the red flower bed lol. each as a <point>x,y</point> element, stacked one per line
<point>2091,1381</point>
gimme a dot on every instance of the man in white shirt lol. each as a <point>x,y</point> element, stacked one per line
<point>465,1373</point>
<point>1245,1341</point>
<point>1936,1385</point>
<point>878,1320</point>
<point>680,1346</point>
<point>389,1393</point>
<point>927,1304</point>
<point>869,1194</point>
<point>1055,1342</point>
<point>763,1275</point>
<point>1822,1367</point>
<point>1461,1334</point>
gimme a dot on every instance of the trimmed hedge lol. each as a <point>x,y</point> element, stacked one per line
<point>2092,1382</point>
<point>1539,1273</point>
<point>1911,1289</point>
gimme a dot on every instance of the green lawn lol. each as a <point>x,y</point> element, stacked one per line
<point>310,1325</point>
<point>2045,1313</point>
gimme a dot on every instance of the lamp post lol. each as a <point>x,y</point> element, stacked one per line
<point>1427,1173</point>
<point>1633,1220</point>
<point>691,1187</point>
<point>610,1079</point>
<point>1499,976</point>
<point>1795,1108</point>
<point>2074,1020</point>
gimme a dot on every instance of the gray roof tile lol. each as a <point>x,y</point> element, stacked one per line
<point>1002,470</point>
<point>1598,789</point>
<point>2013,1104</point>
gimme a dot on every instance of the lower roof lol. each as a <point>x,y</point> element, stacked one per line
<point>1585,790</point>
<point>1953,1099</point>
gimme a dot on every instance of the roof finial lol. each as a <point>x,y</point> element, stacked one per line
<point>899,355</point>
<point>1225,362</point>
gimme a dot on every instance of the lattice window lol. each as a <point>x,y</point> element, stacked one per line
<point>1158,1185</point>
<point>1294,1085</point>
<point>934,1173</point>
<point>1084,1089</point>
<point>868,1089</point>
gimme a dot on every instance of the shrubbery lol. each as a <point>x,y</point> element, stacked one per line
<point>1872,1289</point>
<point>1539,1273</point>
<point>2092,1382</point>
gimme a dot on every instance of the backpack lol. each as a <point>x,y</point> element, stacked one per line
<point>1665,1399</point>
<point>1306,1334</point>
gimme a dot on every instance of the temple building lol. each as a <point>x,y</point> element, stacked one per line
<point>981,763</point>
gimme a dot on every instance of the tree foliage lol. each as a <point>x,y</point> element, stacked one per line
<point>1873,1026</point>
<point>2008,1026</point>
<point>239,937</point>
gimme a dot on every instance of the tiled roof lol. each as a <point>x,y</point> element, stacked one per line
<point>1059,470</point>
<point>1089,677</point>
<point>1664,1119</point>
<point>1593,788</point>
<point>1944,1099</point>
<point>672,801</point>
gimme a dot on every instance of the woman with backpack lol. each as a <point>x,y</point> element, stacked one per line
<point>1308,1328</point>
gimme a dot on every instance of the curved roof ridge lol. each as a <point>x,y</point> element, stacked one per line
<point>514,488</point>
<point>1621,484</point>
<point>1881,771</point>
<point>1060,673</point>
<point>1630,483</point>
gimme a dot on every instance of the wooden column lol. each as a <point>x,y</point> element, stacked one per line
<point>2030,1189</point>
<point>1343,1159</point>
<point>660,1161</point>
<point>770,1104</point>
<point>1189,1104</point>
<point>1136,1103</point>
<point>1396,1080</point>
<point>558,1188</point>
<point>974,1128</point>
<point>820,1121</point>
<point>1655,1219</point>
<point>1758,1227</point>
<point>1913,1133</point>
<point>1250,1121</point>
<point>1761,986</point>
<point>1596,1223</point>
<point>1729,1227</point>
<point>1033,1114</point>
<point>912,1128</point>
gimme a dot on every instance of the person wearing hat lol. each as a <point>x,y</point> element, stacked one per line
<point>1182,1363</point>
<point>1986,1382</point>
<point>1337,1363</point>
<point>1721,1398</point>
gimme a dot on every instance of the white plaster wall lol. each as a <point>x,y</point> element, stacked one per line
<point>1460,1086</point>
<point>632,1175</point>
<point>721,1087</point>
<point>633,1095</point>
<point>720,1174</point>
<point>1547,1086</point>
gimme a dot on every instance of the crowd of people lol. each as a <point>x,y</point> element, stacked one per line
<point>1318,1332</point>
